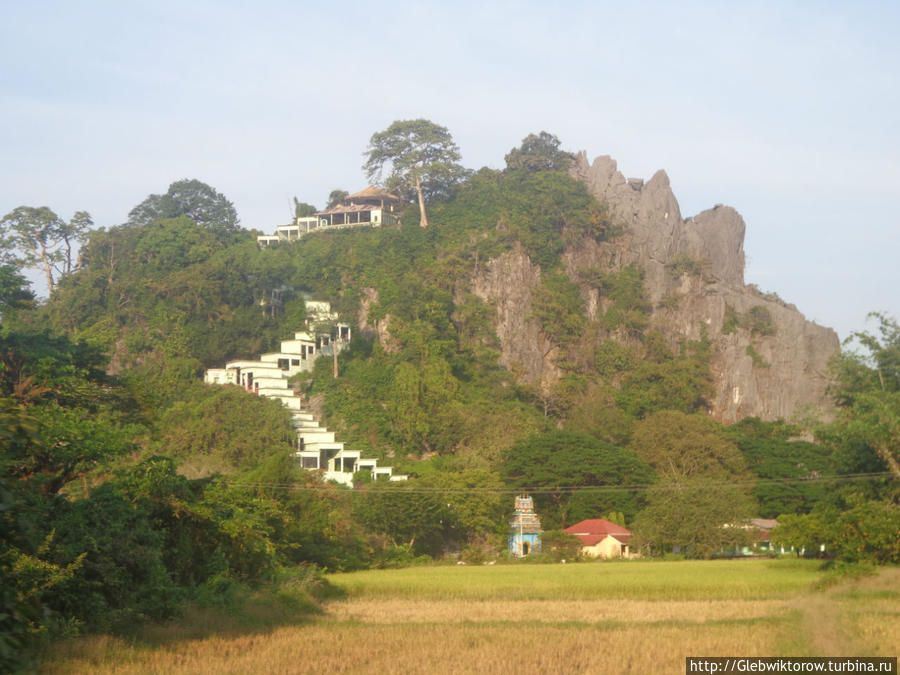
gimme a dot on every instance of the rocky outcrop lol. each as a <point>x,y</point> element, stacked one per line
<point>655,232</point>
<point>507,283</point>
<point>781,374</point>
<point>369,299</point>
<point>694,276</point>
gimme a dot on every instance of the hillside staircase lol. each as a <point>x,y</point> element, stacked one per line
<point>317,448</point>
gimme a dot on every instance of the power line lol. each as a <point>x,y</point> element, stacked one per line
<point>690,483</point>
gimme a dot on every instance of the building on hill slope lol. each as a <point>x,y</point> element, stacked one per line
<point>317,449</point>
<point>372,207</point>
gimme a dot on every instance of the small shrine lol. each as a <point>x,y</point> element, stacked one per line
<point>524,529</point>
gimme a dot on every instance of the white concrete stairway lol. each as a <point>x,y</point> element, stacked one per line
<point>317,449</point>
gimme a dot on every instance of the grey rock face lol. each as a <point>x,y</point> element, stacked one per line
<point>655,230</point>
<point>369,297</point>
<point>507,283</point>
<point>788,375</point>
<point>770,376</point>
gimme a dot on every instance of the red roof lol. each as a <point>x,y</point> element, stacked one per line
<point>599,527</point>
<point>590,539</point>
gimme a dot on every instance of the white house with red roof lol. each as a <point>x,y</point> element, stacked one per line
<point>601,538</point>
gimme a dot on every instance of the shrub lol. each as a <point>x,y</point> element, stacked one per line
<point>685,264</point>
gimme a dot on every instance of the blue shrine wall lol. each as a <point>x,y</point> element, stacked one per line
<point>533,541</point>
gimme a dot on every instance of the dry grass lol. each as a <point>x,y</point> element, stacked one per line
<point>392,610</point>
<point>445,629</point>
<point>434,648</point>
<point>871,612</point>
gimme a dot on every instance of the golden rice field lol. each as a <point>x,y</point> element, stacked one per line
<point>641,617</point>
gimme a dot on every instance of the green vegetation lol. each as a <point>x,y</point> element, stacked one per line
<point>683,264</point>
<point>758,320</point>
<point>784,465</point>
<point>701,497</point>
<point>539,152</point>
<point>732,320</point>
<point>758,359</point>
<point>130,490</point>
<point>38,239</point>
<point>199,202</point>
<point>562,463</point>
<point>678,580</point>
<point>422,156</point>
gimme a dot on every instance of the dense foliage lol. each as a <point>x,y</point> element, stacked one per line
<point>127,487</point>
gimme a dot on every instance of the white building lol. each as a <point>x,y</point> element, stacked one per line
<point>372,207</point>
<point>268,376</point>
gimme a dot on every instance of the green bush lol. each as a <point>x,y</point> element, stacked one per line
<point>686,264</point>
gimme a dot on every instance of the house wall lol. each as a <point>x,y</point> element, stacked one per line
<point>608,547</point>
<point>220,376</point>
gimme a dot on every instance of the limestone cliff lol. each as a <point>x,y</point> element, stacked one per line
<point>694,276</point>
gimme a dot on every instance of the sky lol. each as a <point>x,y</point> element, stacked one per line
<point>787,111</point>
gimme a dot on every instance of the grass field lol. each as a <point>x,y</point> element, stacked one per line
<point>643,617</point>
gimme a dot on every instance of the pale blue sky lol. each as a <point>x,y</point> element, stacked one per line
<point>787,111</point>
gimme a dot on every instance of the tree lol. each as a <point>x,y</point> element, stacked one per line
<point>14,290</point>
<point>696,517</point>
<point>410,515</point>
<point>868,393</point>
<point>785,465</point>
<point>70,443</point>
<point>36,238</point>
<point>172,244</point>
<point>192,198</point>
<point>681,446</point>
<point>423,404</point>
<point>804,532</point>
<point>581,476</point>
<point>558,307</point>
<point>664,380</point>
<point>209,426</point>
<point>303,210</point>
<point>539,153</point>
<point>73,232</point>
<point>867,530</point>
<point>702,500</point>
<point>421,156</point>
<point>335,197</point>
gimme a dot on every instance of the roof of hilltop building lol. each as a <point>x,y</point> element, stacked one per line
<point>374,194</point>
<point>345,208</point>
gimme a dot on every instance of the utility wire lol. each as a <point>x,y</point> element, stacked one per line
<point>674,485</point>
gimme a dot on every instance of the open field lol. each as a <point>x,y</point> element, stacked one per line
<point>589,618</point>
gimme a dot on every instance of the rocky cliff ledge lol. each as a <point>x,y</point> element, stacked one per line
<point>768,360</point>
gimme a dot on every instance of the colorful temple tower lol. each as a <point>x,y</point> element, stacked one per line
<point>524,529</point>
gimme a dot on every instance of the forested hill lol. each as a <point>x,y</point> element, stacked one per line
<point>519,340</point>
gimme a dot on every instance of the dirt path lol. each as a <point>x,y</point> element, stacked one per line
<point>827,613</point>
<point>822,627</point>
